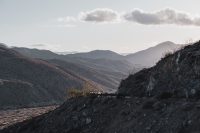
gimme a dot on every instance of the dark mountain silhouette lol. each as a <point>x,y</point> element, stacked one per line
<point>151,56</point>
<point>163,98</point>
<point>31,82</point>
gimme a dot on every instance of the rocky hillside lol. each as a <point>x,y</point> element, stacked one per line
<point>177,75</point>
<point>112,115</point>
<point>32,82</point>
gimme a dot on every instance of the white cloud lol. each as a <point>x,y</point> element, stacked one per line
<point>164,16</point>
<point>100,15</point>
<point>105,15</point>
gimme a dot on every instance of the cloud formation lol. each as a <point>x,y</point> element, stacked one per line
<point>99,15</point>
<point>161,17</point>
<point>164,16</point>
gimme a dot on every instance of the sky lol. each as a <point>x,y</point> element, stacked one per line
<point>122,26</point>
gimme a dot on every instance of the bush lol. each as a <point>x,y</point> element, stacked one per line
<point>86,90</point>
<point>73,92</point>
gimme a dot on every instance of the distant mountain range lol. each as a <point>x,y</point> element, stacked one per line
<point>106,72</point>
<point>99,54</point>
<point>104,67</point>
<point>38,77</point>
<point>154,54</point>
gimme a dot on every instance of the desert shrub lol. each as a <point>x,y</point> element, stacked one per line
<point>73,92</point>
<point>86,90</point>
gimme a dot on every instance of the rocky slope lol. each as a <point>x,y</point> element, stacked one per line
<point>112,115</point>
<point>177,75</point>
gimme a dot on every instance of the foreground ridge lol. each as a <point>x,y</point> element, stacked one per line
<point>116,115</point>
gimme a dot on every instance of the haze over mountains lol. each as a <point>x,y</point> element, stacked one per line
<point>38,77</point>
<point>104,67</point>
<point>152,55</point>
<point>99,54</point>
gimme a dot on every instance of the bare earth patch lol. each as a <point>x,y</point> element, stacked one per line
<point>9,117</point>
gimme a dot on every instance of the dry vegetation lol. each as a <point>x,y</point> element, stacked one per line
<point>86,90</point>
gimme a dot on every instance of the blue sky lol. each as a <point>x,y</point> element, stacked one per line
<point>84,25</point>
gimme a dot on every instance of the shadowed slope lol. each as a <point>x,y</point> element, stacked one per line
<point>31,82</point>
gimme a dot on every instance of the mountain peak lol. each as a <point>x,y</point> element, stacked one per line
<point>166,43</point>
<point>150,56</point>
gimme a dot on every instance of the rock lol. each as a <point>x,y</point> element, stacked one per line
<point>84,114</point>
<point>75,118</point>
<point>88,120</point>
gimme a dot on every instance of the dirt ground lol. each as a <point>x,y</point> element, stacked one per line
<point>9,117</point>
